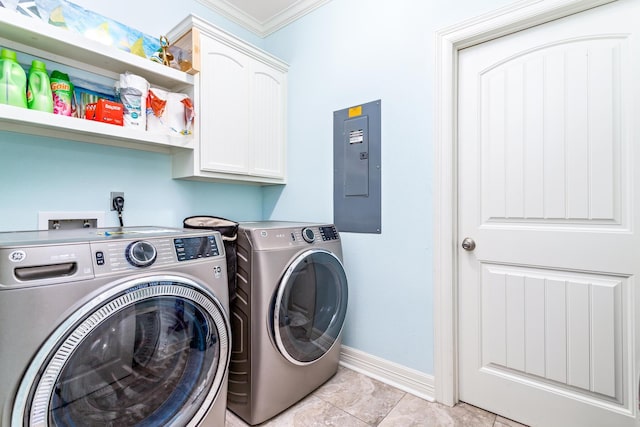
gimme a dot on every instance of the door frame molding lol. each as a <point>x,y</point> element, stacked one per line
<point>449,41</point>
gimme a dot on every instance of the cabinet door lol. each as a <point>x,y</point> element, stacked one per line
<point>224,112</point>
<point>267,97</point>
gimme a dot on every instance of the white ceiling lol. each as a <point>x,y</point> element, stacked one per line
<point>263,17</point>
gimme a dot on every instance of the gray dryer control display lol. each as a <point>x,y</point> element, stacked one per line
<point>329,233</point>
<point>189,248</point>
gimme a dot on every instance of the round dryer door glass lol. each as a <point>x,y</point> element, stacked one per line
<point>310,306</point>
<point>154,354</point>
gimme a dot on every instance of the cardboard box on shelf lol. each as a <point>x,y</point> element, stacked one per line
<point>187,51</point>
<point>105,111</point>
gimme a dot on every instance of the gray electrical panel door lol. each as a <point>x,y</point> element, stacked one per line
<point>357,169</point>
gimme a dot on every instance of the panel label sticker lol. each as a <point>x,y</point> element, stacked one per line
<point>356,136</point>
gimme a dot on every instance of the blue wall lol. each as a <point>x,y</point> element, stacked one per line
<point>41,174</point>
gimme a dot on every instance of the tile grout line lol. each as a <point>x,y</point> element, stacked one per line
<point>345,411</point>
<point>404,394</point>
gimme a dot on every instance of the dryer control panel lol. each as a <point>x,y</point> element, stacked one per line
<point>309,234</point>
<point>273,238</point>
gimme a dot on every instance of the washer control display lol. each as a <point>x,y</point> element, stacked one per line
<point>188,248</point>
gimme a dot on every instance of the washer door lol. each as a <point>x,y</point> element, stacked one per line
<point>149,352</point>
<point>310,306</point>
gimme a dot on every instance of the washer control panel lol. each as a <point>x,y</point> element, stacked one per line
<point>120,255</point>
<point>111,256</point>
<point>32,258</point>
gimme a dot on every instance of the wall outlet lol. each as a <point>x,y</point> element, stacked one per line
<point>115,194</point>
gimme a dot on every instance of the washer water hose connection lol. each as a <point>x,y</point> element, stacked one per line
<point>118,205</point>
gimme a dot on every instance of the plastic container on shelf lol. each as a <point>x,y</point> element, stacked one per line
<point>13,81</point>
<point>39,95</point>
<point>62,91</point>
<point>133,91</point>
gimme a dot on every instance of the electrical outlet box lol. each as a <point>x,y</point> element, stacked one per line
<point>67,220</point>
<point>115,194</point>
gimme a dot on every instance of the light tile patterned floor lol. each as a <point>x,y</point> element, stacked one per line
<point>350,399</point>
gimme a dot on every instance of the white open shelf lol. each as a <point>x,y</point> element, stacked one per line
<point>35,37</point>
<point>32,122</point>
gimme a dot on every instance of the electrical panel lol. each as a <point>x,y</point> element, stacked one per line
<point>357,168</point>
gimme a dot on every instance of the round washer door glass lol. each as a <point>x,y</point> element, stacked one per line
<point>153,354</point>
<point>310,306</point>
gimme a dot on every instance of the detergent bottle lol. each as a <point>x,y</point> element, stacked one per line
<point>39,95</point>
<point>62,90</point>
<point>13,81</point>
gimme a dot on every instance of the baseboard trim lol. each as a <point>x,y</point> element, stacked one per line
<point>401,377</point>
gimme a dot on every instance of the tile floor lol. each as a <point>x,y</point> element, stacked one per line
<point>350,399</point>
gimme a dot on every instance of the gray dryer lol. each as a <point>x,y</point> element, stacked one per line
<point>288,316</point>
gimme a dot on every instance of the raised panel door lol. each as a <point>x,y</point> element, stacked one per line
<point>224,111</point>
<point>548,136</point>
<point>267,121</point>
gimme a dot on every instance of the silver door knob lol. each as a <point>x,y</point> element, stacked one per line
<point>468,244</point>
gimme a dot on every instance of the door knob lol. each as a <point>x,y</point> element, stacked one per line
<point>468,244</point>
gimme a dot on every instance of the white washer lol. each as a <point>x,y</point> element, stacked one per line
<point>287,317</point>
<point>113,327</point>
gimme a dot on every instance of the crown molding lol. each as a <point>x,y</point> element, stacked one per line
<point>268,26</point>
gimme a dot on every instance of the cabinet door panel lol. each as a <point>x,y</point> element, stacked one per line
<point>224,122</point>
<point>266,124</point>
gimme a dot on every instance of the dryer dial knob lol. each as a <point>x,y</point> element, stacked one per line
<point>141,254</point>
<point>308,235</point>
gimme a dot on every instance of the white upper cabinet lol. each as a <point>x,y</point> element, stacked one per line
<point>31,37</point>
<point>241,108</point>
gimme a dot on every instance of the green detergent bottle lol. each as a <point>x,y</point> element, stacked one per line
<point>13,80</point>
<point>39,95</point>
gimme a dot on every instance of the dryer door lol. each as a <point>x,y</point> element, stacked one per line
<point>148,352</point>
<point>310,306</point>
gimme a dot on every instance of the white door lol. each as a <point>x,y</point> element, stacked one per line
<point>549,190</point>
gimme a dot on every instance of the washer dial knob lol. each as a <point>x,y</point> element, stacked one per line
<point>141,254</point>
<point>308,235</point>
